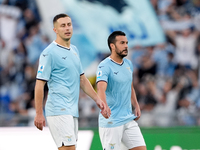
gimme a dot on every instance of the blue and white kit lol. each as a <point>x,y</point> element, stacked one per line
<point>118,92</point>
<point>55,64</point>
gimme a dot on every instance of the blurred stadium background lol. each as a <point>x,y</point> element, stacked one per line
<point>164,46</point>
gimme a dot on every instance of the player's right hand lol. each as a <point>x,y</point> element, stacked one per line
<point>39,121</point>
<point>106,112</point>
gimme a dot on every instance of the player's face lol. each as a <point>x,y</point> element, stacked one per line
<point>63,28</point>
<point>121,46</point>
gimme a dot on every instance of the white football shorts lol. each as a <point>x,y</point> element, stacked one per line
<point>129,134</point>
<point>64,129</point>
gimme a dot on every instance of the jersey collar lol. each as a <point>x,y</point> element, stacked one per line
<point>60,45</point>
<point>116,62</point>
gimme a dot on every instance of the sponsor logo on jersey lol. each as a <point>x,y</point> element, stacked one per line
<point>41,68</point>
<point>99,74</point>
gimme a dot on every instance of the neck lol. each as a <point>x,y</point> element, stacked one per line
<point>117,59</point>
<point>63,43</point>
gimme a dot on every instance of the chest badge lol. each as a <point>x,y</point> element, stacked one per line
<point>129,69</point>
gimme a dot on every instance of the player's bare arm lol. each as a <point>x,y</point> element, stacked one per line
<point>101,89</point>
<point>89,90</point>
<point>135,103</point>
<point>39,94</point>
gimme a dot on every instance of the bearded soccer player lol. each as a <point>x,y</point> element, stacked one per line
<point>115,88</point>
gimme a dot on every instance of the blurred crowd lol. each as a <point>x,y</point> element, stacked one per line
<point>21,42</point>
<point>166,76</point>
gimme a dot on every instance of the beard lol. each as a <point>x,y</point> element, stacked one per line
<point>121,55</point>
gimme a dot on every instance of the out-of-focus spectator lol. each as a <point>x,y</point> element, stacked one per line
<point>9,19</point>
<point>187,103</point>
<point>5,52</point>
<point>34,43</point>
<point>20,45</point>
<point>185,47</point>
<point>160,57</point>
<point>171,65</point>
<point>147,64</point>
<point>136,54</point>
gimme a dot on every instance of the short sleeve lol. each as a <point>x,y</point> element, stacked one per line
<point>81,71</point>
<point>44,67</point>
<point>102,73</point>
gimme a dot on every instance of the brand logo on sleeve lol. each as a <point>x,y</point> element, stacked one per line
<point>101,66</point>
<point>45,55</point>
<point>41,68</point>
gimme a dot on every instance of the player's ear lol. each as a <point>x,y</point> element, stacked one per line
<point>54,29</point>
<point>112,45</point>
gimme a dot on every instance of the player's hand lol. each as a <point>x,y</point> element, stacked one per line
<point>105,110</point>
<point>137,112</point>
<point>39,121</point>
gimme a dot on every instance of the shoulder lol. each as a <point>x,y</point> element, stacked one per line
<point>49,49</point>
<point>73,47</point>
<point>104,63</point>
<point>127,61</point>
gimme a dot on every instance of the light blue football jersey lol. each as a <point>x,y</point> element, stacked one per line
<point>118,92</point>
<point>61,68</point>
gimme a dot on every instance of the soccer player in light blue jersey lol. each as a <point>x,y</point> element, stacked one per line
<point>115,88</point>
<point>60,67</point>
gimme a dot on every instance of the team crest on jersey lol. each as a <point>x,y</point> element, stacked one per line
<point>75,53</point>
<point>129,69</point>
<point>41,68</point>
<point>99,74</point>
<point>112,146</point>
